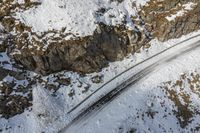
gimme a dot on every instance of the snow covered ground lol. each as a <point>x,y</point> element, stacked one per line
<point>79,17</point>
<point>145,107</point>
<point>162,101</point>
<point>49,113</point>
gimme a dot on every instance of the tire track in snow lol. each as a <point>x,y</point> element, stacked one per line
<point>107,98</point>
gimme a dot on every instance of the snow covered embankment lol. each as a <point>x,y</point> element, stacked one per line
<point>97,32</point>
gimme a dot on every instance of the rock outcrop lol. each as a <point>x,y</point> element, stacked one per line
<point>108,43</point>
<point>88,54</point>
<point>81,54</point>
<point>171,19</point>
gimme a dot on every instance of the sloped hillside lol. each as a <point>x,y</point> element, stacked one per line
<point>55,53</point>
<point>83,36</point>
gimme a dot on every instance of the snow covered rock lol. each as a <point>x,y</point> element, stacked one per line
<point>171,19</point>
<point>86,54</point>
<point>85,35</point>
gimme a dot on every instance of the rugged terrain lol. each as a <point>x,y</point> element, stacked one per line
<point>52,50</point>
<point>66,47</point>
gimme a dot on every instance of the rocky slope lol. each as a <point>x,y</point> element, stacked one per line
<point>114,34</point>
<point>167,20</point>
<point>87,54</point>
<point>46,54</point>
<point>111,36</point>
<point>50,51</point>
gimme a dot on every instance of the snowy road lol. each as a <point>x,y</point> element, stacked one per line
<point>104,95</point>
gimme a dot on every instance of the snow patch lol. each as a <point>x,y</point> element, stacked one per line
<point>77,17</point>
<point>186,7</point>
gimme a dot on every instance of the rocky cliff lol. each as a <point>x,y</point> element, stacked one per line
<point>87,54</point>
<point>171,19</point>
<point>47,54</point>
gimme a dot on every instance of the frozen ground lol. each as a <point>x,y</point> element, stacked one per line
<point>170,73</point>
<point>156,104</point>
<point>50,111</point>
<point>151,105</point>
<point>80,17</point>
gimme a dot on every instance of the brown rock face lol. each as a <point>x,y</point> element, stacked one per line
<point>108,43</point>
<point>86,54</point>
<point>155,12</point>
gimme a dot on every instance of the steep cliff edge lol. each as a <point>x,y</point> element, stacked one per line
<point>47,37</point>
<point>106,34</point>
<point>87,54</point>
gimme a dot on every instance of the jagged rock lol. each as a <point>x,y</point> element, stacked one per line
<point>81,54</point>
<point>52,87</point>
<point>64,81</point>
<point>12,105</point>
<point>97,79</point>
<point>108,43</point>
<point>86,54</point>
<point>163,29</point>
